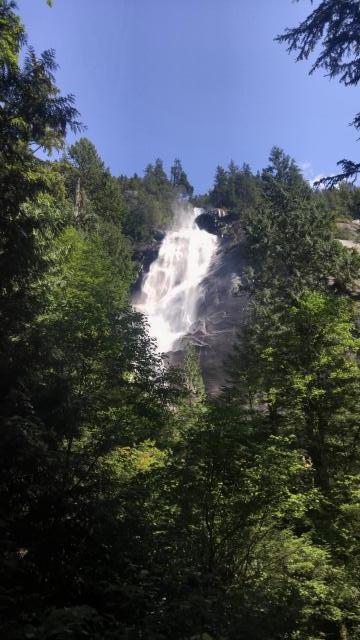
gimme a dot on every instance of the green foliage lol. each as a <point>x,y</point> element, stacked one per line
<point>149,202</point>
<point>179,180</point>
<point>290,234</point>
<point>33,113</point>
<point>80,387</point>
<point>96,393</point>
<point>12,37</point>
<point>132,505</point>
<point>332,31</point>
<point>333,25</point>
<point>343,202</point>
<point>193,378</point>
<point>295,375</point>
<point>235,189</point>
<point>94,191</point>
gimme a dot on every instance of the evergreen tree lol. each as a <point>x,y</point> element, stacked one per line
<point>332,31</point>
<point>33,114</point>
<point>290,234</point>
<point>148,202</point>
<point>218,194</point>
<point>179,179</point>
<point>155,177</point>
<point>132,505</point>
<point>100,192</point>
<point>237,191</point>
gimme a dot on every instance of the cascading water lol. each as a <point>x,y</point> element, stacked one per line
<point>172,287</point>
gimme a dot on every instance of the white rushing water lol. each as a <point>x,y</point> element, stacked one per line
<point>172,287</point>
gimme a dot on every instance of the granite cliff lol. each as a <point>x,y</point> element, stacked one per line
<point>221,299</point>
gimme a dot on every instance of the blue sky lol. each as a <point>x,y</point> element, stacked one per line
<point>201,80</point>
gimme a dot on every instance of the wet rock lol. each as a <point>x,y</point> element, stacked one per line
<point>213,220</point>
<point>222,304</point>
<point>144,255</point>
<point>222,311</point>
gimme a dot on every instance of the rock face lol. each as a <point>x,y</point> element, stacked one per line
<point>222,310</point>
<point>224,297</point>
<point>348,233</point>
<point>144,255</point>
<point>222,304</point>
<point>212,220</point>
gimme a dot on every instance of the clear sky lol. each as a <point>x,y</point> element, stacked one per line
<point>201,80</point>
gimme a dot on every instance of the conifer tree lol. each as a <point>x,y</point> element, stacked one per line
<point>179,179</point>
<point>331,30</point>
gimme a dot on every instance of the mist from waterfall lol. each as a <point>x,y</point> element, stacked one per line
<point>171,289</point>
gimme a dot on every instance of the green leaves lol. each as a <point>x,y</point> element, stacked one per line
<point>133,506</point>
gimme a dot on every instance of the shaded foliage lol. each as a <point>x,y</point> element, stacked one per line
<point>132,505</point>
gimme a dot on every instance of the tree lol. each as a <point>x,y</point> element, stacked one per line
<point>296,376</point>
<point>218,193</point>
<point>74,356</point>
<point>193,378</point>
<point>32,114</point>
<point>290,235</point>
<point>100,192</point>
<point>94,404</point>
<point>313,376</point>
<point>231,553</point>
<point>234,189</point>
<point>155,177</point>
<point>179,179</point>
<point>332,29</point>
<point>284,171</point>
<point>149,203</point>
<point>334,25</point>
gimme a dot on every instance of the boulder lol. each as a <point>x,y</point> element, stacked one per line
<point>212,220</point>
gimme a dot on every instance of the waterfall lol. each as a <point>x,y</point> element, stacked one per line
<point>172,287</point>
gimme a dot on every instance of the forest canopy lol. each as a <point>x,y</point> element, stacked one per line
<point>133,504</point>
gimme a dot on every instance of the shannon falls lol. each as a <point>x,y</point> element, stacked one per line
<point>192,292</point>
<point>172,288</point>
